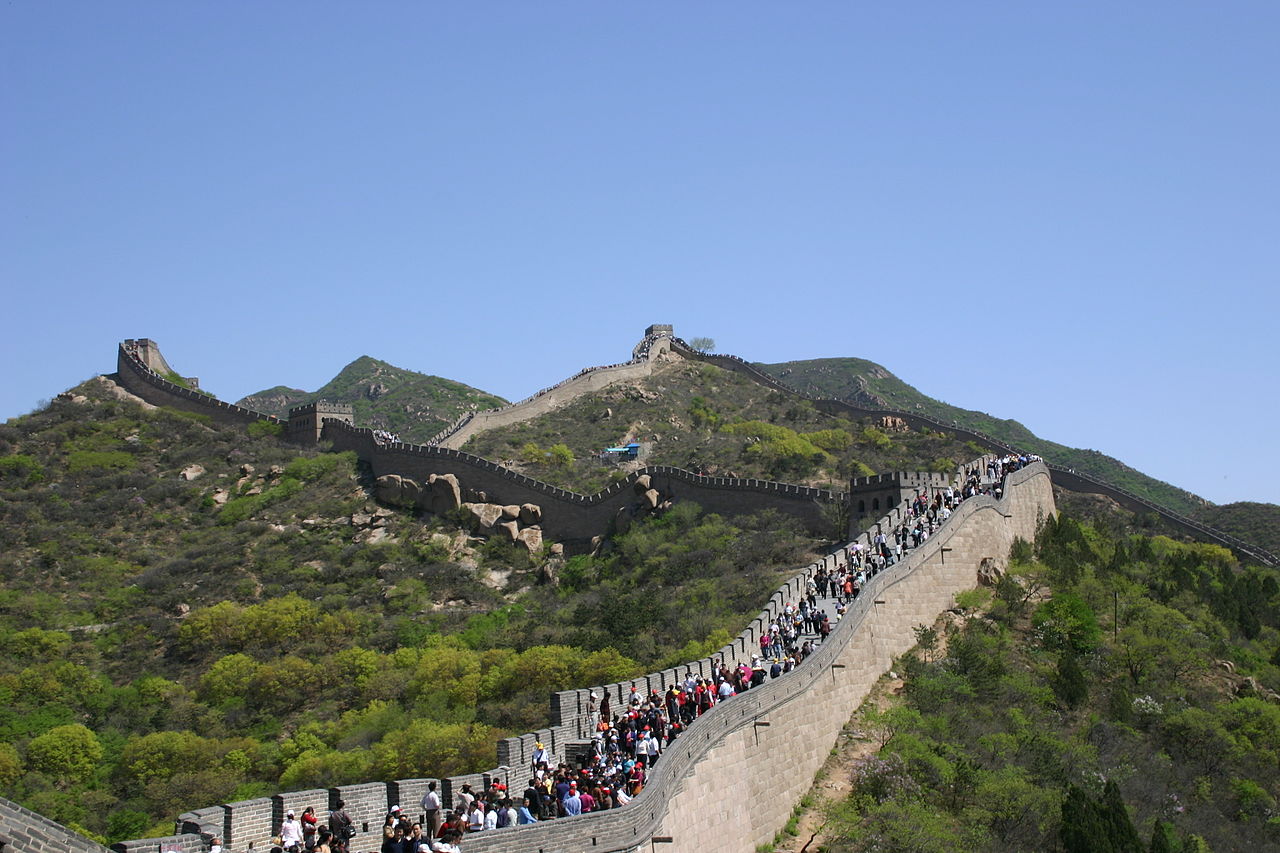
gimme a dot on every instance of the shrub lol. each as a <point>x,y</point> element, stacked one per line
<point>266,429</point>
<point>22,468</point>
<point>90,460</point>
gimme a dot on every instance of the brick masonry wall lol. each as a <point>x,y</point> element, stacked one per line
<point>142,382</point>
<point>730,784</point>
<point>570,517</point>
<point>24,831</point>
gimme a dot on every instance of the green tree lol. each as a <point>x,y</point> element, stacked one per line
<point>1084,830</point>
<point>1162,840</point>
<point>1070,684</point>
<point>1066,621</point>
<point>702,344</point>
<point>69,754</point>
<point>10,766</point>
<point>1124,838</point>
<point>560,456</point>
<point>430,749</point>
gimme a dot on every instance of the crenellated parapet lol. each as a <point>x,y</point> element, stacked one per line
<point>136,361</point>
<point>575,518</point>
<point>708,792</point>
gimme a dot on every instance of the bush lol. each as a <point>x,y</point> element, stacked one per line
<point>90,460</point>
<point>1067,622</point>
<point>266,429</point>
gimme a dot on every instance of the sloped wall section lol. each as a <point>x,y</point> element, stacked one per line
<point>708,792</point>
<point>568,516</point>
<point>24,831</point>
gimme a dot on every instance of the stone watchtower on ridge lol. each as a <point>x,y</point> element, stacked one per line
<point>307,422</point>
<point>872,497</point>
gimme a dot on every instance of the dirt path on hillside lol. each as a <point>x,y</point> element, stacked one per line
<point>832,783</point>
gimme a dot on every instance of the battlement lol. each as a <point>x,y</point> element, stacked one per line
<point>322,407</point>
<point>903,479</point>
<point>306,422</point>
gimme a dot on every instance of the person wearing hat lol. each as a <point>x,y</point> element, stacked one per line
<point>540,755</point>
<point>291,833</point>
<point>572,802</point>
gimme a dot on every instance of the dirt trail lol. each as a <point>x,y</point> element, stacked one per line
<point>854,743</point>
<point>832,781</point>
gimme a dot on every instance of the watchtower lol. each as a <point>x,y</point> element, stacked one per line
<point>307,422</point>
<point>872,497</point>
<point>147,353</point>
<point>657,340</point>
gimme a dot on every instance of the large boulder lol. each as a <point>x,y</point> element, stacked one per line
<point>445,494</point>
<point>191,471</point>
<point>642,484</point>
<point>530,514</point>
<point>651,499</point>
<point>622,520</point>
<point>989,573</point>
<point>532,538</point>
<point>511,512</point>
<point>508,531</point>
<point>387,488</point>
<point>482,516</point>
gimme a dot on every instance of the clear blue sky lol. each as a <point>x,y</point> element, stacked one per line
<point>1067,214</point>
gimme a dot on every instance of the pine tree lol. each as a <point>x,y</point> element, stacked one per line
<point>1070,684</point>
<point>1083,828</point>
<point>1124,838</point>
<point>1161,838</point>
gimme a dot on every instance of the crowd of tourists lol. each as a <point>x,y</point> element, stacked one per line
<point>627,742</point>
<point>382,436</point>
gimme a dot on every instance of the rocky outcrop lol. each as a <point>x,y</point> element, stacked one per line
<point>989,574</point>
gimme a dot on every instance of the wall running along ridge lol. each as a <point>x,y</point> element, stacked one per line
<point>573,518</point>
<point>562,393</point>
<point>706,790</point>
<point>156,390</point>
<point>141,381</point>
<point>1064,477</point>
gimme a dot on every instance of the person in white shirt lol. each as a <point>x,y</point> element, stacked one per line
<point>491,819</point>
<point>291,833</point>
<point>432,809</point>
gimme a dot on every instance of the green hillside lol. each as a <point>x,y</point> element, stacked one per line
<point>1115,694</point>
<point>1252,522</point>
<point>864,383</point>
<point>702,417</point>
<point>193,613</point>
<point>413,405</point>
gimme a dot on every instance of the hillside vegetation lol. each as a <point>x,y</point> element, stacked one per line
<point>193,614</point>
<point>1114,694</point>
<point>413,405</point>
<point>864,383</point>
<point>706,419</point>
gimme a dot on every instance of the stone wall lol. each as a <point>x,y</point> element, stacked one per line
<point>548,399</point>
<point>731,781</point>
<point>24,831</point>
<point>138,379</point>
<point>568,516</point>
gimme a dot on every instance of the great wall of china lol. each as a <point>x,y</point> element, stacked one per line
<point>140,376</point>
<point>792,721</point>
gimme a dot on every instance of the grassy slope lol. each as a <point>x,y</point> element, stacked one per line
<point>988,735</point>
<point>1252,522</point>
<point>267,645</point>
<point>415,405</point>
<point>864,383</point>
<point>683,409</point>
